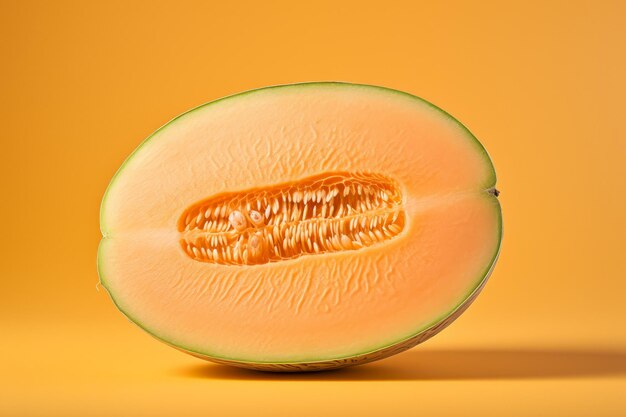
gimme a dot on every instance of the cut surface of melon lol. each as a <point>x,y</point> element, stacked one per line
<point>300,224</point>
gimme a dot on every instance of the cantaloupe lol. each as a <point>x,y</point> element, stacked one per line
<point>301,227</point>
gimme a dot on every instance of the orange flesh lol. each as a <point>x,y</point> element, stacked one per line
<point>310,286</point>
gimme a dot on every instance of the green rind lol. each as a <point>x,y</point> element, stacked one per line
<point>312,361</point>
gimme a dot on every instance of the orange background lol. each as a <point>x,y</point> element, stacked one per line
<point>542,85</point>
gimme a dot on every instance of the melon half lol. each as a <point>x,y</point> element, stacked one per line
<point>301,227</point>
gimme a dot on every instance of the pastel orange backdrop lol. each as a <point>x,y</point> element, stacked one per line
<point>540,83</point>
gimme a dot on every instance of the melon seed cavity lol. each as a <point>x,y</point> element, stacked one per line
<point>332,212</point>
